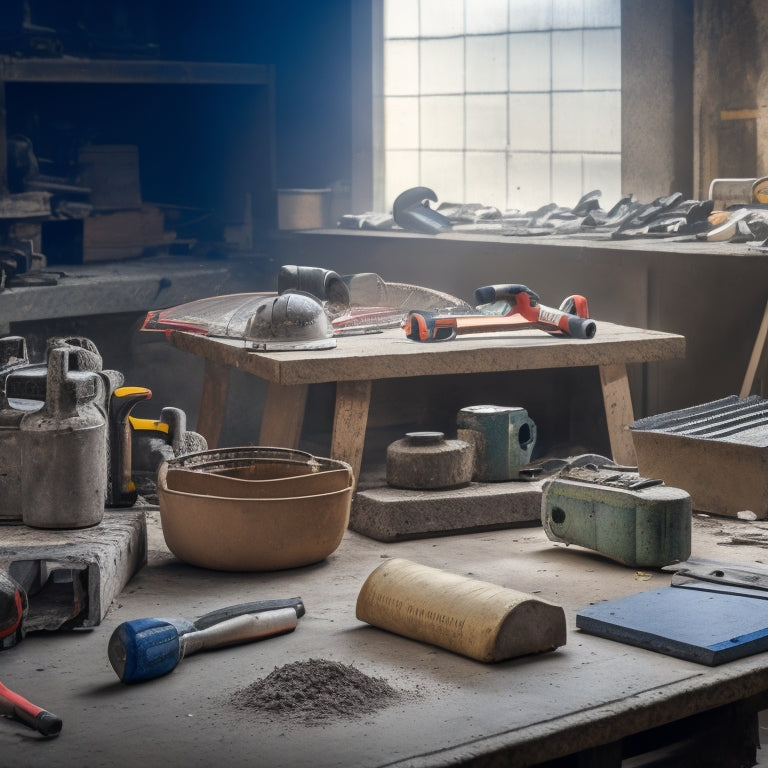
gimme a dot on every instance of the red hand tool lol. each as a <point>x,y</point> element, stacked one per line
<point>523,301</point>
<point>13,705</point>
<point>523,312</point>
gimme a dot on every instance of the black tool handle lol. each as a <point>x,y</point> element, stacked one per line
<point>257,606</point>
<point>580,327</point>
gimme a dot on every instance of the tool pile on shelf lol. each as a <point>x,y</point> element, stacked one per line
<point>742,218</point>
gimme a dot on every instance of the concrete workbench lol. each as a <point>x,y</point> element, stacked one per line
<point>102,289</point>
<point>592,695</point>
<point>107,302</point>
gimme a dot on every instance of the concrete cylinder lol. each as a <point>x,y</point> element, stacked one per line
<point>427,461</point>
<point>474,618</point>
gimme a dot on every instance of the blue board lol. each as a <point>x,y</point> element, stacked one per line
<point>706,627</point>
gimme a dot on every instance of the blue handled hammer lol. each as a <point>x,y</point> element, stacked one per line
<point>143,649</point>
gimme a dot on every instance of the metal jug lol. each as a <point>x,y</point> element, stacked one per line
<point>66,442</point>
<point>13,355</point>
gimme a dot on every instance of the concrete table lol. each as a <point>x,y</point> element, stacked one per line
<point>359,360</point>
<point>592,697</point>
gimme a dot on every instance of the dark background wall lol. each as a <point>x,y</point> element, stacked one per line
<point>656,97</point>
<point>729,90</point>
<point>308,43</point>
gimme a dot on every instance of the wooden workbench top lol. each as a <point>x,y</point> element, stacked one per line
<point>390,354</point>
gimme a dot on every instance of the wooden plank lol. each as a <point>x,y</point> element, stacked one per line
<point>353,398</point>
<point>618,413</point>
<point>213,402</point>
<point>739,114</point>
<point>123,234</point>
<point>758,353</point>
<point>25,205</point>
<point>111,172</point>
<point>283,415</point>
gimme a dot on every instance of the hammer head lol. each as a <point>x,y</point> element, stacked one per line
<point>144,649</point>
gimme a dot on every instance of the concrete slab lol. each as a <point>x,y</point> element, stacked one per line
<point>396,514</point>
<point>72,576</point>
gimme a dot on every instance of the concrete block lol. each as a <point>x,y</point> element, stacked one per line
<point>396,514</point>
<point>72,576</point>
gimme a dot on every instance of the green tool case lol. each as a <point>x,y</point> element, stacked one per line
<point>638,522</point>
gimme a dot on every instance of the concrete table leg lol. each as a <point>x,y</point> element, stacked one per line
<point>283,415</point>
<point>213,402</point>
<point>618,413</point>
<point>353,399</point>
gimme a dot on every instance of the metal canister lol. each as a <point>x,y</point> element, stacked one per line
<point>13,356</point>
<point>64,450</point>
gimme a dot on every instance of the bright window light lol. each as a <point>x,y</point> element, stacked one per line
<point>508,103</point>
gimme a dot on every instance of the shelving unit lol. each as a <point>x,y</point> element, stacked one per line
<point>213,123</point>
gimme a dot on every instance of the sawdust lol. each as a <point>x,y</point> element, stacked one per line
<point>317,692</point>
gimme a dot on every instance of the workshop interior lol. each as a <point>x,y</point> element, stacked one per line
<point>397,365</point>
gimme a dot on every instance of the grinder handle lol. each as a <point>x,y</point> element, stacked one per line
<point>122,490</point>
<point>421,325</point>
<point>488,294</point>
<point>525,302</point>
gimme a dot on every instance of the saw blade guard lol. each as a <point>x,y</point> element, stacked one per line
<point>292,320</point>
<point>213,316</point>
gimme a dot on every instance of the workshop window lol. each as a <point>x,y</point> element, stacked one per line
<point>510,103</point>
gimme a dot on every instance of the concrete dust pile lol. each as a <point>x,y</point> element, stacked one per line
<point>316,691</point>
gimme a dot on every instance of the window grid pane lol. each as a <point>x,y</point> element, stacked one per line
<point>510,103</point>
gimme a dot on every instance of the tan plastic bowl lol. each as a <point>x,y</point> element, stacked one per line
<point>255,462</point>
<point>210,484</point>
<point>225,523</point>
